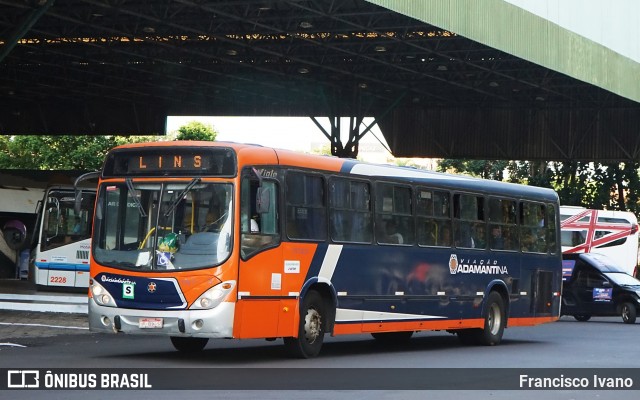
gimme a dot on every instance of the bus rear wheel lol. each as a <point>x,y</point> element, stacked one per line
<point>188,344</point>
<point>494,323</point>
<point>311,329</point>
<point>628,313</point>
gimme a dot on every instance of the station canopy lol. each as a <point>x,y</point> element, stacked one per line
<point>442,78</point>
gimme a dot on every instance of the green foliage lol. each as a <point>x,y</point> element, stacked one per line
<point>54,152</point>
<point>612,186</point>
<point>79,152</point>
<point>59,152</point>
<point>486,169</point>
<point>195,130</point>
<point>325,150</point>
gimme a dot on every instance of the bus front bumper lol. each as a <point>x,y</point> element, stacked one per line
<point>213,323</point>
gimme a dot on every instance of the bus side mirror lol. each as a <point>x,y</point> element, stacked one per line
<point>81,178</point>
<point>77,205</point>
<point>263,202</point>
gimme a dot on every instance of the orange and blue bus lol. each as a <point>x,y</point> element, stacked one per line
<point>200,240</point>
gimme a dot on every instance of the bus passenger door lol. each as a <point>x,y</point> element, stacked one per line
<point>542,292</point>
<point>260,280</point>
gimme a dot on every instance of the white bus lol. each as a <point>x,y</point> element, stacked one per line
<point>17,219</point>
<point>62,239</point>
<point>612,233</point>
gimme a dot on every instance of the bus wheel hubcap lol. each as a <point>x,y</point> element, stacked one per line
<point>312,325</point>
<point>494,319</point>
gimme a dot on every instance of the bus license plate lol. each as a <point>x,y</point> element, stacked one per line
<point>144,323</point>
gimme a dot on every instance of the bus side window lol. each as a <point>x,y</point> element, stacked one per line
<point>394,223</point>
<point>533,227</point>
<point>468,215</point>
<point>552,240</point>
<point>502,224</point>
<point>350,211</point>
<point>305,206</point>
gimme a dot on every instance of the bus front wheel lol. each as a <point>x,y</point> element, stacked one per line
<point>311,329</point>
<point>188,344</point>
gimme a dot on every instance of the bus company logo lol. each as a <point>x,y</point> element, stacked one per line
<point>268,173</point>
<point>475,266</point>
<point>106,278</point>
<point>151,287</point>
<point>453,263</point>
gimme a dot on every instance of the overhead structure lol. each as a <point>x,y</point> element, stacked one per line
<point>443,78</point>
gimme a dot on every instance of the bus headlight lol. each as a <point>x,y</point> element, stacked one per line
<point>101,296</point>
<point>213,297</point>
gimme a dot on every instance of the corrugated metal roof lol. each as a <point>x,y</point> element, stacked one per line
<point>505,27</point>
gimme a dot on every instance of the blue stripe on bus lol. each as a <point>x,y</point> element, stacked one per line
<point>317,260</point>
<point>348,166</point>
<point>63,267</point>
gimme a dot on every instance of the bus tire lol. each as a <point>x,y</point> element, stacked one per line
<point>582,317</point>
<point>188,344</point>
<point>311,329</point>
<point>494,323</point>
<point>392,337</point>
<point>628,313</point>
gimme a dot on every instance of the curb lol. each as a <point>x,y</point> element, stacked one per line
<point>77,304</point>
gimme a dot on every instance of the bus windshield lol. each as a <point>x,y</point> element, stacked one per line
<point>163,226</point>
<point>62,224</point>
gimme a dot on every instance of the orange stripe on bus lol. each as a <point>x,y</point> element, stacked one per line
<point>531,321</point>
<point>396,326</point>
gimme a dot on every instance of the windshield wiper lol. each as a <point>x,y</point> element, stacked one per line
<point>178,199</point>
<point>135,198</point>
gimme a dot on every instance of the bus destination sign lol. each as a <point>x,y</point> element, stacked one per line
<point>170,162</point>
<point>167,162</point>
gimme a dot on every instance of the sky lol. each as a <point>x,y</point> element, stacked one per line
<point>293,133</point>
<point>614,23</point>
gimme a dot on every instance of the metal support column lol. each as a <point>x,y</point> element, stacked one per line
<point>350,149</point>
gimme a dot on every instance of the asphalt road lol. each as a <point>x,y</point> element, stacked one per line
<point>43,340</point>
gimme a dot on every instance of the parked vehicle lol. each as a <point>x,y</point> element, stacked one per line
<point>593,284</point>
<point>612,233</point>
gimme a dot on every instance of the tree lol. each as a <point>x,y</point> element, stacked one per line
<point>612,186</point>
<point>55,152</point>
<point>195,130</point>
<point>59,152</point>
<point>486,169</point>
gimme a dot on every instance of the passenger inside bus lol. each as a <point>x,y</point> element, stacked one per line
<point>393,236</point>
<point>463,236</point>
<point>497,241</point>
<point>445,236</point>
<point>77,227</point>
<point>479,236</point>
